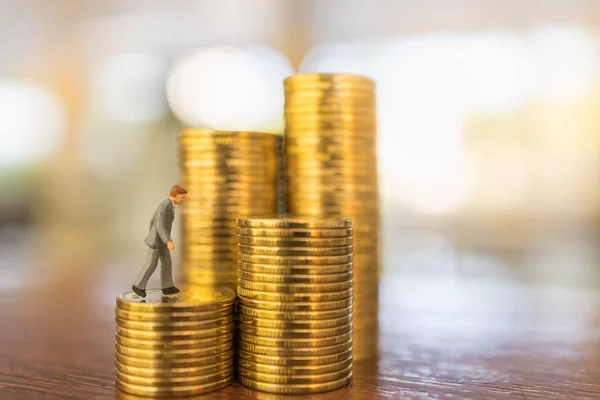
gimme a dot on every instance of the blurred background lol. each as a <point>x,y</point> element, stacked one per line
<point>488,111</point>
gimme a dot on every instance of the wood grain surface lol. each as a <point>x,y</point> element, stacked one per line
<point>442,336</point>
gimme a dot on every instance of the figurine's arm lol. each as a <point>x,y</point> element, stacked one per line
<point>152,221</point>
<point>161,228</point>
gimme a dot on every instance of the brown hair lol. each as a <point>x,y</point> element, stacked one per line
<point>176,189</point>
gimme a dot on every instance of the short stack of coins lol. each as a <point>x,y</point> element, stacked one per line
<point>180,345</point>
<point>330,147</point>
<point>295,304</point>
<point>226,174</point>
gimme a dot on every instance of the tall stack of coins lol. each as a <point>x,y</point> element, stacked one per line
<point>295,304</point>
<point>226,174</point>
<point>332,172</point>
<point>174,345</point>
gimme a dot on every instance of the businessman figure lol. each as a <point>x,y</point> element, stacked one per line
<point>159,243</point>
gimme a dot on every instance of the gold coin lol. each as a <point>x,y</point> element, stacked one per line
<point>211,248</point>
<point>339,95</point>
<point>220,219</point>
<point>172,317</point>
<point>300,324</point>
<point>346,206</point>
<point>295,87</point>
<point>295,351</point>
<point>173,381</point>
<point>301,297</point>
<point>230,141</point>
<point>174,335</point>
<point>223,198</point>
<point>206,153</point>
<point>309,111</point>
<point>314,172</point>
<point>296,370</point>
<point>161,354</point>
<point>366,109</point>
<point>187,301</point>
<point>346,154</point>
<point>295,251</point>
<point>298,242</point>
<point>289,306</point>
<point>210,258</point>
<point>206,240</point>
<point>294,315</point>
<point>289,222</point>
<point>333,92</point>
<point>293,132</point>
<point>291,380</point>
<point>213,151</point>
<point>339,192</point>
<point>295,287</point>
<point>328,89</point>
<point>295,343</point>
<point>251,188</point>
<point>331,139</point>
<point>185,362</point>
<point>317,169</point>
<point>223,173</point>
<point>330,122</point>
<point>295,333</point>
<point>167,345</point>
<point>295,260</point>
<point>174,326</point>
<point>295,269</point>
<point>224,163</point>
<point>226,135</point>
<point>268,171</point>
<point>243,187</point>
<point>217,279</point>
<point>295,388</point>
<point>224,269</point>
<point>339,206</point>
<point>214,146</point>
<point>204,235</point>
<point>150,391</point>
<point>313,101</point>
<point>349,185</point>
<point>286,278</point>
<point>290,361</point>
<point>229,179</point>
<point>330,206</point>
<point>308,167</point>
<point>351,119</point>
<point>296,233</point>
<point>328,78</point>
<point>225,211</point>
<point>174,372</point>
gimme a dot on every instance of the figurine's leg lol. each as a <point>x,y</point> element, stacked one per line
<point>166,272</point>
<point>148,268</point>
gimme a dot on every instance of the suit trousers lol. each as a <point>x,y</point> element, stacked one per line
<point>166,272</point>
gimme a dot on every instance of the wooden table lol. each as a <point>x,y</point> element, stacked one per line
<point>443,335</point>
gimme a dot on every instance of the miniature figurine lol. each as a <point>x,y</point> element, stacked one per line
<point>159,243</point>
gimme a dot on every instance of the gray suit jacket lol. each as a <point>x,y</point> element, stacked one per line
<point>161,224</point>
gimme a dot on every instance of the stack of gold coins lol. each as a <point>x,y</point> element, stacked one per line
<point>332,172</point>
<point>226,174</point>
<point>176,345</point>
<point>295,304</point>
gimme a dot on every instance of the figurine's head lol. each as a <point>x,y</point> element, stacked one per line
<point>177,194</point>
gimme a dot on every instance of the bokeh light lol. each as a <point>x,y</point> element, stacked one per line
<point>129,87</point>
<point>34,121</point>
<point>230,88</point>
